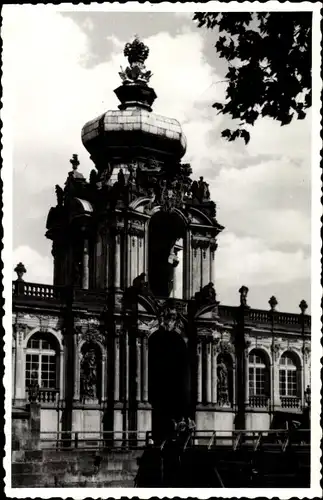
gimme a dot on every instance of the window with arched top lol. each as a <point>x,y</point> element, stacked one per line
<point>42,361</point>
<point>259,383</point>
<point>289,380</point>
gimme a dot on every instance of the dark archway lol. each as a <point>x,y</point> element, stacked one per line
<point>169,381</point>
<point>164,230</point>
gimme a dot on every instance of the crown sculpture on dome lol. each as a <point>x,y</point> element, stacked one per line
<point>136,52</point>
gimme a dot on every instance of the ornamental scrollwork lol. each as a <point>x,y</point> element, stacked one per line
<point>169,318</point>
<point>306,350</point>
<point>276,348</point>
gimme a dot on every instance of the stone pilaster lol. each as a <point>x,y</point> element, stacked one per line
<point>144,346</point>
<point>199,372</point>
<point>138,369</point>
<point>208,380</point>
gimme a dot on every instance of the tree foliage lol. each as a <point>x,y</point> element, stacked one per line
<point>269,65</point>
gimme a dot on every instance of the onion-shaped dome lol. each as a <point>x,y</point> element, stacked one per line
<point>133,129</point>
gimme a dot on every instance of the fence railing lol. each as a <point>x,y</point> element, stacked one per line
<point>269,438</point>
<point>94,440</point>
<point>210,439</point>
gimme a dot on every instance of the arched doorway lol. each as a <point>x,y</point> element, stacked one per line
<point>169,381</point>
<point>166,229</point>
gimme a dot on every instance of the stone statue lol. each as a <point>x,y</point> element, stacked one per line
<point>140,283</point>
<point>243,295</point>
<point>223,395</point>
<point>121,178</point>
<point>59,195</point>
<point>206,295</point>
<point>93,177</point>
<point>33,390</point>
<point>194,190</point>
<point>89,377</point>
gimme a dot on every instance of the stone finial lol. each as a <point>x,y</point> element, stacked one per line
<point>20,270</point>
<point>74,174</point>
<point>303,306</point>
<point>74,161</point>
<point>243,295</point>
<point>136,51</point>
<point>273,303</point>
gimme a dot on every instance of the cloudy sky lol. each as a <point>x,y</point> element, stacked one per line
<point>63,69</point>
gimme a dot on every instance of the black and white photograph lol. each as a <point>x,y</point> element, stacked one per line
<point>161,199</point>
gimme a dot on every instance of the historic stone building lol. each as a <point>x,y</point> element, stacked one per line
<point>110,346</point>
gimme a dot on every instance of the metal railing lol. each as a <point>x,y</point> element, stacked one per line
<point>209,439</point>
<point>88,440</point>
<point>269,438</point>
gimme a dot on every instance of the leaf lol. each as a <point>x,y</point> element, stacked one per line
<point>226,133</point>
<point>269,56</point>
<point>217,105</point>
<point>244,134</point>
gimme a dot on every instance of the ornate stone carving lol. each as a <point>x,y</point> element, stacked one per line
<point>276,348</point>
<point>89,331</point>
<point>306,350</point>
<point>169,318</point>
<point>33,389</point>
<point>223,346</point>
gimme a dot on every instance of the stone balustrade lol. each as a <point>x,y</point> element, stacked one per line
<point>41,292</point>
<point>258,401</point>
<point>290,402</point>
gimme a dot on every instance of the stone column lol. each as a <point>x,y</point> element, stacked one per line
<point>85,273</point>
<point>34,426</point>
<point>117,262</point>
<point>116,369</point>
<point>234,402</point>
<point>208,373</point>
<point>126,366</point>
<point>211,261</point>
<point>196,274</point>
<point>61,375</point>
<point>144,346</point>
<point>77,371</point>
<point>199,372</point>
<point>20,390</point>
<point>138,369</point>
<point>205,271</point>
<point>275,380</point>
<point>104,378</point>
<point>214,374</point>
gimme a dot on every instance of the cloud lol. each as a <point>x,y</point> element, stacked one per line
<point>38,267</point>
<point>270,200</point>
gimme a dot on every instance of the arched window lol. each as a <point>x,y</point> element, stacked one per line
<point>42,359</point>
<point>258,374</point>
<point>289,384</point>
